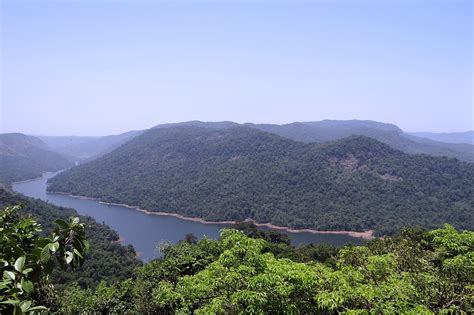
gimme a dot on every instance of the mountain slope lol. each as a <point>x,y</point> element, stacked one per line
<point>24,157</point>
<point>448,137</point>
<point>355,183</point>
<point>330,130</point>
<point>85,148</point>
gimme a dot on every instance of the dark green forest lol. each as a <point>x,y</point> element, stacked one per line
<point>107,260</point>
<point>356,183</point>
<point>245,271</point>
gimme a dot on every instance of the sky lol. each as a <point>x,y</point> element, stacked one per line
<point>105,67</point>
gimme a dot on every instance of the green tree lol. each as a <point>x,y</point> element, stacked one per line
<point>27,260</point>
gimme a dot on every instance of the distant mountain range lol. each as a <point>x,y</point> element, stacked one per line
<point>85,148</point>
<point>25,157</point>
<point>329,130</point>
<point>452,137</point>
<point>223,171</point>
<point>88,148</point>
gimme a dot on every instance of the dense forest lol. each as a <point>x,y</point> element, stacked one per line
<point>330,130</point>
<point>107,260</point>
<point>25,157</point>
<point>356,183</point>
<point>416,272</point>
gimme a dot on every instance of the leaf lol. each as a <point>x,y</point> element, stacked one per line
<point>27,285</point>
<point>69,257</point>
<point>9,274</point>
<point>54,247</point>
<point>62,223</point>
<point>86,246</point>
<point>27,270</point>
<point>78,253</point>
<point>25,305</point>
<point>19,264</point>
<point>37,308</point>
<point>75,220</point>
<point>45,254</point>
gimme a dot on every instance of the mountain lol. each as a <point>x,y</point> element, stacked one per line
<point>448,137</point>
<point>85,148</point>
<point>356,183</point>
<point>330,130</point>
<point>24,157</point>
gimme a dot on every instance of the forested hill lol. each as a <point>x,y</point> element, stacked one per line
<point>330,130</point>
<point>107,260</point>
<point>233,174</point>
<point>25,157</point>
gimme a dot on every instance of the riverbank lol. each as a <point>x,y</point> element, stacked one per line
<point>367,235</point>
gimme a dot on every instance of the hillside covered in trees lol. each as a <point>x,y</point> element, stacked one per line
<point>25,157</point>
<point>356,183</point>
<point>330,130</point>
<point>107,260</point>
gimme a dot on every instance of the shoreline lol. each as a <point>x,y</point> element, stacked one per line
<point>367,235</point>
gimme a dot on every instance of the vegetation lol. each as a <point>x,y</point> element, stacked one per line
<point>330,130</point>
<point>233,174</point>
<point>25,157</point>
<point>106,259</point>
<point>416,272</point>
<point>27,260</point>
<point>248,271</point>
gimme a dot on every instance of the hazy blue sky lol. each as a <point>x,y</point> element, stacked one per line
<point>102,67</point>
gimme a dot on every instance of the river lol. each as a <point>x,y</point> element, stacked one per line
<point>144,231</point>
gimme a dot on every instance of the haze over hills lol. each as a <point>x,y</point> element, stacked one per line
<point>25,157</point>
<point>85,148</point>
<point>356,183</point>
<point>329,130</point>
<point>448,137</point>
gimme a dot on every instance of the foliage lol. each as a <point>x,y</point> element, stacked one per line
<point>106,260</point>
<point>27,260</point>
<point>415,272</point>
<point>238,173</point>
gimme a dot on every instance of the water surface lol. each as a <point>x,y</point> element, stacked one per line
<point>144,231</point>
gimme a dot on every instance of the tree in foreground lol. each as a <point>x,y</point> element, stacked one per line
<point>27,260</point>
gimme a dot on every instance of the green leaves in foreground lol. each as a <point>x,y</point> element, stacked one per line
<point>416,272</point>
<point>27,260</point>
